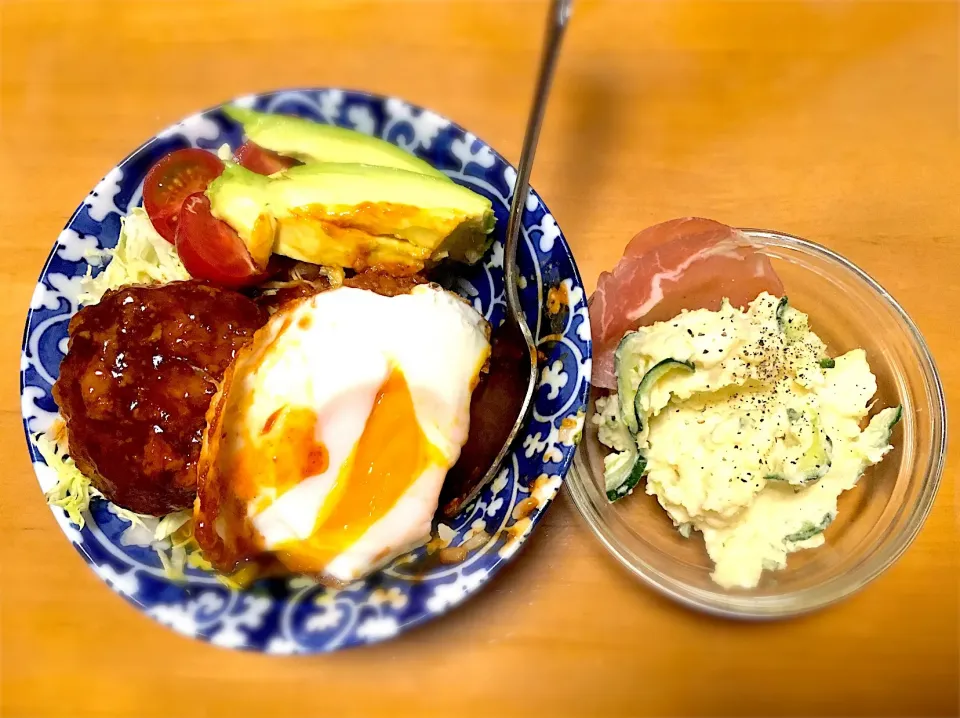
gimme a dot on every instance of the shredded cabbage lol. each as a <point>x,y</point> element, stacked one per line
<point>177,548</point>
<point>173,539</point>
<point>141,256</point>
<point>185,551</point>
<point>73,490</point>
<point>171,524</point>
<point>176,532</point>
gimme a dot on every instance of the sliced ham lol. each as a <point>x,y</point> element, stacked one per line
<point>688,263</point>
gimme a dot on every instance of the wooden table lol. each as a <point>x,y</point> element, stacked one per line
<point>831,120</point>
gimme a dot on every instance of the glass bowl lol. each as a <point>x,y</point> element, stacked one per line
<point>877,520</point>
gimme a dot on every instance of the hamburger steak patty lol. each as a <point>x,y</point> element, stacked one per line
<point>134,388</point>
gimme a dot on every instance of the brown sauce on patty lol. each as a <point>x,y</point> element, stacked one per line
<point>134,388</point>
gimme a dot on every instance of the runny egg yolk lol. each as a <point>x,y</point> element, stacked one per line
<point>294,452</point>
<point>389,457</point>
<point>286,453</point>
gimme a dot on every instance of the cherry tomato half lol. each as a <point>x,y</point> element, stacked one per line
<point>171,180</point>
<point>265,162</point>
<point>210,249</point>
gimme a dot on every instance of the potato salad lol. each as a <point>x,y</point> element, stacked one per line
<point>743,428</point>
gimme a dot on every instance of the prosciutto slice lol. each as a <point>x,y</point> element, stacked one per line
<point>688,263</point>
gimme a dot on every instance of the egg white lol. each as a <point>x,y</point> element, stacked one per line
<point>331,354</point>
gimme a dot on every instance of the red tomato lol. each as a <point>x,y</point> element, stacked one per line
<point>210,249</point>
<point>174,178</point>
<point>265,162</point>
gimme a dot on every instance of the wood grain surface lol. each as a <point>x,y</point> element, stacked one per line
<point>836,121</point>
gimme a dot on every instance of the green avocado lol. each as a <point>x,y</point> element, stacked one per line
<point>313,142</point>
<point>355,216</point>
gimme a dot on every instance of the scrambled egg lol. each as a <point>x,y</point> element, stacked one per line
<point>744,430</point>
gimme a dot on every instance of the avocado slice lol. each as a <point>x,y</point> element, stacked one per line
<point>314,142</point>
<point>356,216</point>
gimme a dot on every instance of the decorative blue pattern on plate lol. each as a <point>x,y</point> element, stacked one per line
<point>296,615</point>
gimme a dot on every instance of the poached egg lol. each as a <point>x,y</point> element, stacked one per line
<point>329,440</point>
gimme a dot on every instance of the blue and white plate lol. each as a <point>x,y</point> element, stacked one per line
<point>296,615</point>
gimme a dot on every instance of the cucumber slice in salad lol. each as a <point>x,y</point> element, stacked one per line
<point>878,431</point>
<point>816,460</point>
<point>621,472</point>
<point>781,308</point>
<point>653,375</point>
<point>792,322</point>
<point>809,530</point>
<point>627,358</point>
